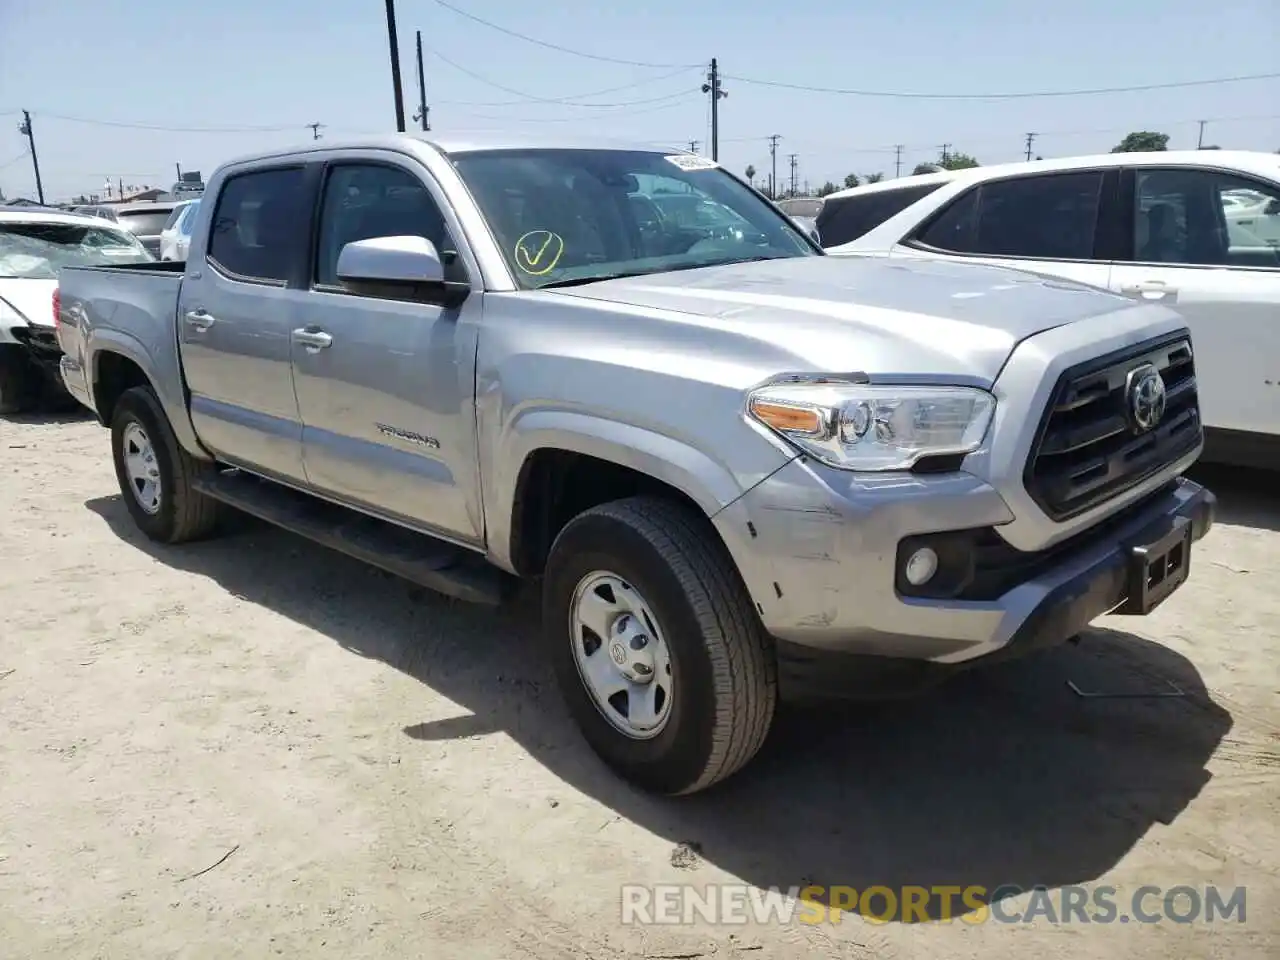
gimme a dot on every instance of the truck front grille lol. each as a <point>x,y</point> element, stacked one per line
<point>1093,445</point>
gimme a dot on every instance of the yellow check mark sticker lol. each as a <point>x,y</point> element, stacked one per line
<point>538,252</point>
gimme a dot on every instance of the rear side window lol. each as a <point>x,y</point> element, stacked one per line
<point>260,225</point>
<point>174,217</point>
<point>1052,217</point>
<point>843,219</point>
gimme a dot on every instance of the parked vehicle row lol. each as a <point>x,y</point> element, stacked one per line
<point>35,243</point>
<point>741,470</point>
<point>175,238</point>
<point>1196,230</point>
<point>145,219</point>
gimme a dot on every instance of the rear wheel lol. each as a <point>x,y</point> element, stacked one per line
<point>656,645</point>
<point>156,474</point>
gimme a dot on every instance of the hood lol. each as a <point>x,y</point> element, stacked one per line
<point>881,317</point>
<point>31,299</point>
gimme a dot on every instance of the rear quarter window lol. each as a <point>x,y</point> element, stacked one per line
<point>843,219</point>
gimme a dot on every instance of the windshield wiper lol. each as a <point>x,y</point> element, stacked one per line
<point>594,278</point>
<point>599,277</point>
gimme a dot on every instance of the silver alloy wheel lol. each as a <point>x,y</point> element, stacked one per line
<point>621,654</point>
<point>141,468</point>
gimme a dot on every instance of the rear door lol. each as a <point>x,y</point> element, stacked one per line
<point>243,293</point>
<point>1191,247</point>
<point>1057,224</point>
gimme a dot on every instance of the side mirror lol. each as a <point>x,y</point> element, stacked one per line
<point>407,268</point>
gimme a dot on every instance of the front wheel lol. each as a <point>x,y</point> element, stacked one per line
<point>155,474</point>
<point>657,648</point>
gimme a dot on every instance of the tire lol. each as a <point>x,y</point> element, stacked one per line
<point>181,512</point>
<point>723,687</point>
<point>19,382</point>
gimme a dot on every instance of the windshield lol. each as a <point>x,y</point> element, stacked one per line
<point>572,216</point>
<point>144,223</point>
<point>36,251</point>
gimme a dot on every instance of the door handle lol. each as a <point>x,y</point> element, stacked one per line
<point>1151,290</point>
<point>199,320</point>
<point>313,340</point>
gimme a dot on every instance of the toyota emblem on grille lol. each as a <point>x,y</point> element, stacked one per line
<point>1145,397</point>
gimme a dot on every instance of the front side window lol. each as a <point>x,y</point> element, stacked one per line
<point>260,225</point>
<point>1205,218</point>
<point>844,219</point>
<point>37,250</point>
<point>1051,217</point>
<point>363,201</point>
<point>573,216</point>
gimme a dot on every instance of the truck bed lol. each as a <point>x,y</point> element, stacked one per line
<point>132,309</point>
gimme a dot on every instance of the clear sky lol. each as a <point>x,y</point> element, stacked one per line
<point>200,75</point>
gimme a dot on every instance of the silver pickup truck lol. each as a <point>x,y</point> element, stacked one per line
<point>741,470</point>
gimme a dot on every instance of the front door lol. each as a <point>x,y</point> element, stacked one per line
<point>235,314</point>
<point>1192,254</point>
<point>385,387</point>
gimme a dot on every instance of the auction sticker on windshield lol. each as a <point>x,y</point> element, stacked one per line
<point>691,161</point>
<point>538,252</point>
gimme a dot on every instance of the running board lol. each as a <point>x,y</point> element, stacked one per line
<point>416,557</point>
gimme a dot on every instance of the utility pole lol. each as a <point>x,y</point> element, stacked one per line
<point>394,45</point>
<point>946,147</point>
<point>792,159</point>
<point>424,113</point>
<point>315,130</point>
<point>897,161</point>
<point>773,159</point>
<point>1200,139</point>
<point>178,167</point>
<point>712,88</point>
<point>1030,138</point>
<point>25,129</point>
<point>693,146</point>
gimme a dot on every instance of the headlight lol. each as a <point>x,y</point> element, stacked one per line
<point>862,427</point>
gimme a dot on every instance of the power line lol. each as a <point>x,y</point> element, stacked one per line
<point>556,46</point>
<point>9,163</point>
<point>567,101</point>
<point>1026,95</point>
<point>560,101</point>
<point>167,128</point>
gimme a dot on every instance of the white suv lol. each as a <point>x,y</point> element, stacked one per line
<point>1196,230</point>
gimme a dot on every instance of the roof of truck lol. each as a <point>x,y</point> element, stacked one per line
<point>463,142</point>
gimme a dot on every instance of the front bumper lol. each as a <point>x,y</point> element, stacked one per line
<point>819,552</point>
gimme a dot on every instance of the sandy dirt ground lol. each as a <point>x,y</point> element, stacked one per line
<point>372,771</point>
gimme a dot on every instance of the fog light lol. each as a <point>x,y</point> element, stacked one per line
<point>921,566</point>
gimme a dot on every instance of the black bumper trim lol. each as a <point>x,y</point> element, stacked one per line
<point>806,673</point>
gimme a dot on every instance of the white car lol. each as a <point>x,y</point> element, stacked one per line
<point>175,238</point>
<point>34,244</point>
<point>1196,230</point>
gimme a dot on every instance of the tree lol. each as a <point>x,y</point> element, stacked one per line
<point>751,174</point>
<point>874,177</point>
<point>957,161</point>
<point>1142,141</point>
<point>925,168</point>
<point>850,181</point>
<point>828,188</point>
